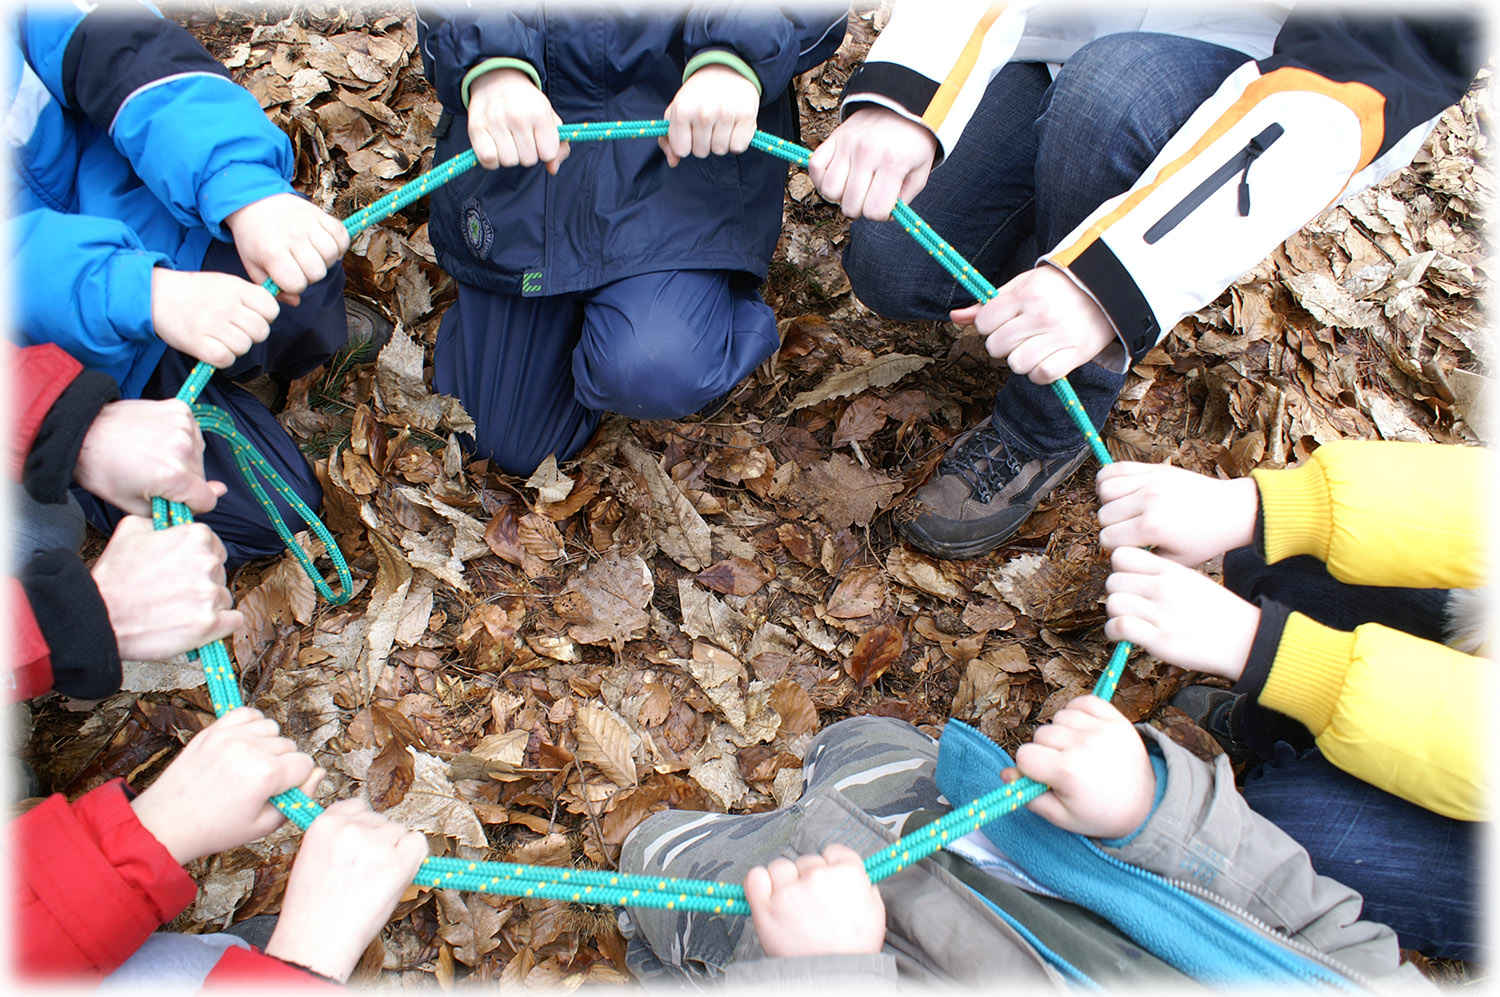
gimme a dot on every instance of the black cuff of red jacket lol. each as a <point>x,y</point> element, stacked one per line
<point>1273,617</point>
<point>75,624</point>
<point>49,465</point>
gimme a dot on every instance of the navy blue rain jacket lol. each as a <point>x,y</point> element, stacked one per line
<point>615,209</point>
<point>130,145</point>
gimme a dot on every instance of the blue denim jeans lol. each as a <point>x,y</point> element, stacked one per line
<point>1035,160</point>
<point>1419,872</point>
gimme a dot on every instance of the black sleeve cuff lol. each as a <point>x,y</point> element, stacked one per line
<point>1259,543</point>
<point>75,624</point>
<point>49,465</point>
<point>1273,617</point>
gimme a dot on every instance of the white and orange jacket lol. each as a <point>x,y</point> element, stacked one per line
<point>1327,104</point>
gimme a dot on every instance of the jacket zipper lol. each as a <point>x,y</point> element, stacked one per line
<point>1239,163</point>
<point>1260,926</point>
<point>1300,947</point>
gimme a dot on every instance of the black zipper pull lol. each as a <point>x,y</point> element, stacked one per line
<point>1252,152</point>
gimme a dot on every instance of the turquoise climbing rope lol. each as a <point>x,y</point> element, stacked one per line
<point>592,885</point>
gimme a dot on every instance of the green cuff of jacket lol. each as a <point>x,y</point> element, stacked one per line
<point>1297,511</point>
<point>722,57</point>
<point>498,62</point>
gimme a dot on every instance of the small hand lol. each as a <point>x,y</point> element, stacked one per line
<point>821,905</point>
<point>1185,517</point>
<point>215,794</point>
<point>1100,782</point>
<point>288,239</point>
<point>873,158</point>
<point>213,317</point>
<point>138,449</point>
<point>350,873</point>
<point>1178,615</point>
<point>164,589</point>
<point>511,122</point>
<point>714,113</point>
<point>1041,324</point>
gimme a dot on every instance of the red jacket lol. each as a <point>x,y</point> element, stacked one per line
<point>60,630</point>
<point>91,883</point>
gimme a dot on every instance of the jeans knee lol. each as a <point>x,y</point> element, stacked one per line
<point>892,275</point>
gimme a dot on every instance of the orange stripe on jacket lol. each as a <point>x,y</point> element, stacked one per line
<point>947,93</point>
<point>1367,103</point>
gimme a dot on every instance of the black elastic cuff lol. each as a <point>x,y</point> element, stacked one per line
<point>906,87</point>
<point>1273,617</point>
<point>1115,289</point>
<point>48,469</point>
<point>75,624</point>
<point>1259,543</point>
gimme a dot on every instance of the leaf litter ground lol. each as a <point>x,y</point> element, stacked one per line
<point>530,668</point>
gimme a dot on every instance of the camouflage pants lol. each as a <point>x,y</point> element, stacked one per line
<point>861,778</point>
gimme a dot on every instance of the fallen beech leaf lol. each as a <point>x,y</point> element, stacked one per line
<point>551,484</point>
<point>861,420</point>
<point>874,653</point>
<point>432,805</point>
<point>682,534</point>
<point>616,591</point>
<point>917,571</point>
<point>791,701</point>
<point>604,742</point>
<point>733,576</point>
<point>859,593</point>
<point>798,543</point>
<point>403,391</point>
<point>841,493</point>
<point>887,369</point>
<point>389,776</point>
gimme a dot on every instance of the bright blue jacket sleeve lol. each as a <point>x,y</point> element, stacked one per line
<point>103,273</point>
<point>199,141</point>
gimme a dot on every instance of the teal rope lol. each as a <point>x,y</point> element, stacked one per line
<point>592,885</point>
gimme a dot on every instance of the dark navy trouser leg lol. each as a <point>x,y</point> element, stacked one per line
<point>536,373</point>
<point>301,338</point>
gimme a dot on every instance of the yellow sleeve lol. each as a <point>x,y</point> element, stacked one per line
<point>1401,713</point>
<point>1385,513</point>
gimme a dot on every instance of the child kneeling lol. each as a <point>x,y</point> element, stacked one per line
<point>1140,863</point>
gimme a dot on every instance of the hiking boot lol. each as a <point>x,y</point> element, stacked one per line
<point>17,781</point>
<point>982,493</point>
<point>369,330</point>
<point>1212,709</point>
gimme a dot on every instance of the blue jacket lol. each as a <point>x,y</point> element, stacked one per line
<point>615,208</point>
<point>130,146</point>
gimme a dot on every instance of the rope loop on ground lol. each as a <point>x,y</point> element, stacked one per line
<point>590,886</point>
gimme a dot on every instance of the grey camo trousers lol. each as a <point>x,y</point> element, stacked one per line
<point>879,769</point>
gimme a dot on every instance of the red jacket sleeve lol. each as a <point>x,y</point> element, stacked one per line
<point>245,967</point>
<point>40,375</point>
<point>91,883</point>
<point>28,670</point>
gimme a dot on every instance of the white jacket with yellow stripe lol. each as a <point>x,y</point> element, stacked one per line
<point>1326,105</point>
<point>1405,714</point>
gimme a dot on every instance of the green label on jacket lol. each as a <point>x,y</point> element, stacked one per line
<point>531,283</point>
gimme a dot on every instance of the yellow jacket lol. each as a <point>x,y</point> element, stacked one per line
<point>1402,713</point>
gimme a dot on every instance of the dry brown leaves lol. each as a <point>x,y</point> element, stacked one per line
<point>529,669</point>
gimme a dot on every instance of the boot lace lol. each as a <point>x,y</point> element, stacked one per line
<point>985,461</point>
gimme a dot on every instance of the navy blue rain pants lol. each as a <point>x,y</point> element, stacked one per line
<point>535,373</point>
<point>301,339</point>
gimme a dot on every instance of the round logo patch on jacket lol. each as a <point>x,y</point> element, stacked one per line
<point>478,232</point>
